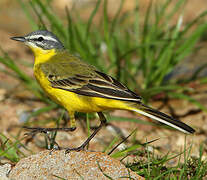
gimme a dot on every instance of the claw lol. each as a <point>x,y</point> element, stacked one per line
<point>80,148</point>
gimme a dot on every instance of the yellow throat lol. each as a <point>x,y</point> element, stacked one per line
<point>42,55</point>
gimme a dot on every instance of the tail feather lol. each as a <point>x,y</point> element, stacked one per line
<point>163,118</point>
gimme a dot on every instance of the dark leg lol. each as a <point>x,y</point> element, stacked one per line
<point>103,123</point>
<point>36,130</point>
<point>52,143</point>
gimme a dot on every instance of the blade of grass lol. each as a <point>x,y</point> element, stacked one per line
<point>134,131</point>
<point>91,19</point>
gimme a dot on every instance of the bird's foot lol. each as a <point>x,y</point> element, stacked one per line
<point>80,148</point>
<point>36,130</point>
<point>55,147</point>
<point>50,137</point>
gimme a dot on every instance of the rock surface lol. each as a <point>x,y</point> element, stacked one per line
<point>74,165</point>
<point>4,171</point>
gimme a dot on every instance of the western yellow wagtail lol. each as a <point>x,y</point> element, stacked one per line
<point>78,86</point>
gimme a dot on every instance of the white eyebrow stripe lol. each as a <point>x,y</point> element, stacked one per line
<point>45,37</point>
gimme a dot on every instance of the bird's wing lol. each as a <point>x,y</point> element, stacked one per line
<point>81,78</point>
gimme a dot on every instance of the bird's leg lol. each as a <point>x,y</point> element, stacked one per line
<point>103,123</point>
<point>53,144</point>
<point>36,130</point>
<point>72,120</point>
<point>50,137</point>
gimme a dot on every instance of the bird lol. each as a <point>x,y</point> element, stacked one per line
<point>80,87</point>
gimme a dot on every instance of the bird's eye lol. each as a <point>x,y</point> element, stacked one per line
<point>40,39</point>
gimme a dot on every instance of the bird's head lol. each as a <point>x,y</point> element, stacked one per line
<point>41,41</point>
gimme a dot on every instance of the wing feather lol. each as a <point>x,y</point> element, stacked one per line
<point>88,81</point>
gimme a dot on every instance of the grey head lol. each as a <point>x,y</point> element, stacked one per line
<point>42,39</point>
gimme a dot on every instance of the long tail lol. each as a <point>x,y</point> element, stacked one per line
<point>163,118</point>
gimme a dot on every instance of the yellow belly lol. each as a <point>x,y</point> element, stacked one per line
<point>74,102</point>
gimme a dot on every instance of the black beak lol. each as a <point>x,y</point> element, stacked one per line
<point>21,39</point>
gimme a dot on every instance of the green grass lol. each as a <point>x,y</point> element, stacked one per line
<point>156,168</point>
<point>151,166</point>
<point>138,53</point>
<point>9,149</point>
